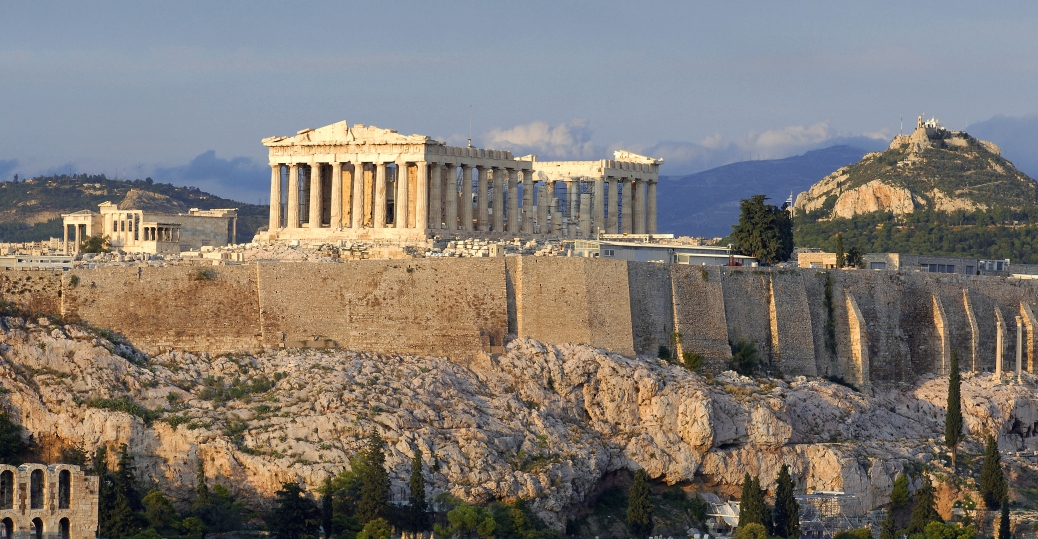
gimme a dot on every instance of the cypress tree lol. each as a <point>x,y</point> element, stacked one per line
<point>925,510</point>
<point>993,485</point>
<point>327,507</point>
<point>418,507</point>
<point>841,258</point>
<point>899,494</point>
<point>118,498</point>
<point>752,507</point>
<point>639,509</point>
<point>953,417</point>
<point>888,529</point>
<point>1003,520</point>
<point>787,510</point>
<point>374,492</point>
<point>201,490</point>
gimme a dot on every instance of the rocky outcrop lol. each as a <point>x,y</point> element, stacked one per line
<point>539,422</point>
<point>932,169</point>
<point>872,197</point>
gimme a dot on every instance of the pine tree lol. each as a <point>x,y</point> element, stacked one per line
<point>925,510</point>
<point>1004,531</point>
<point>764,232</point>
<point>899,494</point>
<point>888,529</point>
<point>639,508</point>
<point>294,516</point>
<point>418,507</point>
<point>787,510</point>
<point>993,485</point>
<point>953,417</point>
<point>374,494</point>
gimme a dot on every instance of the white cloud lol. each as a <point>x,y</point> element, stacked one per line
<point>573,141</point>
<point>564,141</point>
<point>780,143</point>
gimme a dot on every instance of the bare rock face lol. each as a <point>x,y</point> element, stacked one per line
<point>540,422</point>
<point>872,197</point>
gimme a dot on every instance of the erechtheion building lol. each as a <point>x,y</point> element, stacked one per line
<point>140,231</point>
<point>38,501</point>
<point>342,182</point>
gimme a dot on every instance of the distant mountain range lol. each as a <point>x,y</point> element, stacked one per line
<point>707,203</point>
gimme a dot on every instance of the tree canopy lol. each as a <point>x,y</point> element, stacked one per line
<point>639,508</point>
<point>764,232</point>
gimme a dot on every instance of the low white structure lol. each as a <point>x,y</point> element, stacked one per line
<point>36,262</point>
<point>140,231</point>
<point>670,253</point>
<point>342,182</point>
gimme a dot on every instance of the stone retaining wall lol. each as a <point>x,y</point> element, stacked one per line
<point>802,321</point>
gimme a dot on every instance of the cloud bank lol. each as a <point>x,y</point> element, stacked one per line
<point>238,178</point>
<point>573,141</point>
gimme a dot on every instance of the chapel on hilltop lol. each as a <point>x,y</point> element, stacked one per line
<point>343,182</point>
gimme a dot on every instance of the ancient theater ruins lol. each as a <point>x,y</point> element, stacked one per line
<point>343,182</point>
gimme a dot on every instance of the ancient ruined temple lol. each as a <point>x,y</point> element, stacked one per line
<point>38,501</point>
<point>342,182</point>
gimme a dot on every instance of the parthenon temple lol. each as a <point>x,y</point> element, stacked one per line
<point>365,183</point>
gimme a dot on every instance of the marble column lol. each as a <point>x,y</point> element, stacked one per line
<point>400,207</point>
<point>558,210</point>
<point>64,241</point>
<point>652,209</point>
<point>450,197</point>
<point>466,198</point>
<point>275,199</point>
<point>528,209</point>
<point>625,212</point>
<point>482,193</point>
<point>612,221</point>
<point>542,209</point>
<point>378,214</point>
<point>499,199</point>
<point>573,201</point>
<point>315,195</point>
<point>585,215</point>
<point>358,196</point>
<point>639,207</point>
<point>293,196</point>
<point>79,238</point>
<point>598,201</point>
<point>421,200</point>
<point>435,196</point>
<point>336,201</point>
<point>513,201</point>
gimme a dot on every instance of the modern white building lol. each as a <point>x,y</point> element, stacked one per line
<point>696,255</point>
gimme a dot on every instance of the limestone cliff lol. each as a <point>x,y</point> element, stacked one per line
<point>541,422</point>
<point>933,169</point>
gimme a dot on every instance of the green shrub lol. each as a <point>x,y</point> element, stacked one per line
<point>126,405</point>
<point>745,357</point>
<point>693,361</point>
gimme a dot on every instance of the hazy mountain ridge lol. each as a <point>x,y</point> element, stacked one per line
<point>707,203</point>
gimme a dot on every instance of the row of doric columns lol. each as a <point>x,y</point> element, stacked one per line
<point>457,197</point>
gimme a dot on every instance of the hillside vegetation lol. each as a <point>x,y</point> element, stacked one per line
<point>935,192</point>
<point>31,210</point>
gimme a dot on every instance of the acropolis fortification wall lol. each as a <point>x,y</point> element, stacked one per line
<point>861,325</point>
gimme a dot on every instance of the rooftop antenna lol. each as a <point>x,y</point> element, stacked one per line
<point>902,130</point>
<point>470,126</point>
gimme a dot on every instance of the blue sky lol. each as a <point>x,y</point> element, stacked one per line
<point>127,86</point>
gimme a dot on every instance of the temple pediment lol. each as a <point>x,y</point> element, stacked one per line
<point>342,133</point>
<point>630,157</point>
